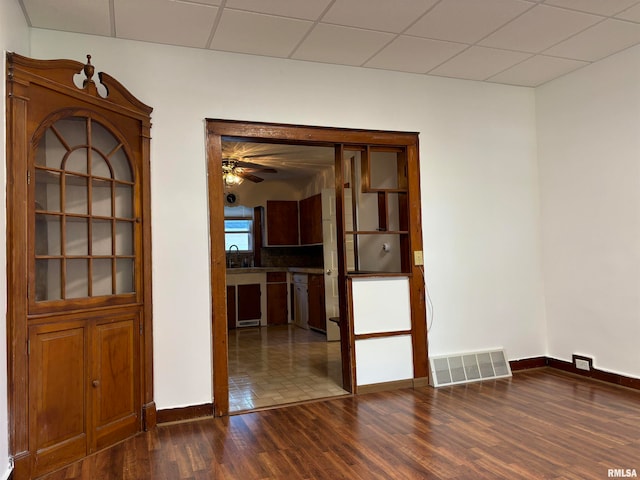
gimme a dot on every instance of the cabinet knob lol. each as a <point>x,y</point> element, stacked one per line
<point>329,271</point>
<point>95,383</point>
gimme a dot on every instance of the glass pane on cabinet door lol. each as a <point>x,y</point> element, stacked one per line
<point>47,191</point>
<point>50,151</point>
<point>48,280</point>
<point>73,130</point>
<point>102,277</point>
<point>75,194</point>
<point>124,238</point>
<point>121,166</point>
<point>77,285</point>
<point>99,167</point>
<point>47,241</point>
<point>101,237</point>
<point>124,201</point>
<point>77,236</point>
<point>102,139</point>
<point>100,198</point>
<point>77,161</point>
<point>124,275</point>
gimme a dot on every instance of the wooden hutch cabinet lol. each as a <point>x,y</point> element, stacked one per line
<point>79,264</point>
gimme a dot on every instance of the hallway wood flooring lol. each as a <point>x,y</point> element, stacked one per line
<point>540,424</point>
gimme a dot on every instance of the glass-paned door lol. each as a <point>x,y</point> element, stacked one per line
<point>84,232</point>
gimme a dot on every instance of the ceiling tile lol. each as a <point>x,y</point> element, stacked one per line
<point>70,15</point>
<point>539,29</point>
<point>164,21</point>
<point>382,15</point>
<point>413,54</point>
<point>600,7</point>
<point>258,34</point>
<point>467,20</point>
<point>306,9</point>
<point>341,45</point>
<point>599,41</point>
<point>632,14</point>
<point>479,63</point>
<point>536,71</point>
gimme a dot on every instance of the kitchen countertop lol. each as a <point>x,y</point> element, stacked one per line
<point>242,270</point>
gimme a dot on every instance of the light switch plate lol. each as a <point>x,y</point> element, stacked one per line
<point>417,257</point>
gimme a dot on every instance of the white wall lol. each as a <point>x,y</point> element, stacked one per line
<point>479,186</point>
<point>14,37</point>
<point>589,150</point>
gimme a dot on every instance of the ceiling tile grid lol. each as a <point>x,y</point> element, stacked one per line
<point>467,21</point>
<point>258,34</point>
<point>479,63</point>
<point>70,15</point>
<point>387,16</point>
<point>170,22</point>
<point>517,42</point>
<point>341,45</point>
<point>413,54</point>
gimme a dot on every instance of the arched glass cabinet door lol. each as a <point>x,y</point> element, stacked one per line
<point>84,228</point>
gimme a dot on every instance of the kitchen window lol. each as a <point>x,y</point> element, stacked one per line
<point>238,228</point>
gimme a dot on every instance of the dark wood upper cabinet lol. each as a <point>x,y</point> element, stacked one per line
<point>282,222</point>
<point>311,220</point>
<point>79,263</point>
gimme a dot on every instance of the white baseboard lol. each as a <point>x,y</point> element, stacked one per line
<point>7,473</point>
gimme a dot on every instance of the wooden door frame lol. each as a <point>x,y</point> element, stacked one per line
<point>328,136</point>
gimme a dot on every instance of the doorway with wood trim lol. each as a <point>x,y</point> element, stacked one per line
<point>391,203</point>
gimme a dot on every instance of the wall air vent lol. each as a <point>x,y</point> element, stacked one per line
<point>468,367</point>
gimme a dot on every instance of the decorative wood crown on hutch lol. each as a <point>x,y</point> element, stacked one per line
<point>78,263</point>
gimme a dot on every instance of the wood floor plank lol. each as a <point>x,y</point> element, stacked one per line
<point>541,423</point>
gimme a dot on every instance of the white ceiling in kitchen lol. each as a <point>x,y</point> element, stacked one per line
<point>517,42</point>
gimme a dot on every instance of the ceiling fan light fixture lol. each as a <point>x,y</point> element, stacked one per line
<point>231,179</point>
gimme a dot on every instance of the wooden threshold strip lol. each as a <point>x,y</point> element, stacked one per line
<point>397,333</point>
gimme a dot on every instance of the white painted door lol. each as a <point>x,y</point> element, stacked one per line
<point>330,249</point>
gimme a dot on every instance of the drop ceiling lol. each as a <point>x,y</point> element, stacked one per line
<point>516,42</point>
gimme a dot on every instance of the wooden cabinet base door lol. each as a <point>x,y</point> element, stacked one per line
<point>57,385</point>
<point>76,410</point>
<point>114,387</point>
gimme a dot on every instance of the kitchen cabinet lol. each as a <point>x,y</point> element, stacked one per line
<point>282,222</point>
<point>277,311</point>
<point>246,301</point>
<point>301,300</point>
<point>249,304</point>
<point>316,302</point>
<point>311,220</point>
<point>231,307</point>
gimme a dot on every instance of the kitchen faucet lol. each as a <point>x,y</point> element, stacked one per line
<point>230,257</point>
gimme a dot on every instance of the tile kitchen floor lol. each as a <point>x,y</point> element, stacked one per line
<point>281,364</point>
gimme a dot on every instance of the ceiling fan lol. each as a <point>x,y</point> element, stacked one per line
<point>235,171</point>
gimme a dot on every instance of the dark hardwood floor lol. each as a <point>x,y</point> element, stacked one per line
<point>542,423</point>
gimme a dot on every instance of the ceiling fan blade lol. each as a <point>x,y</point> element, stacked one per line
<point>258,155</point>
<point>248,176</point>
<point>255,167</point>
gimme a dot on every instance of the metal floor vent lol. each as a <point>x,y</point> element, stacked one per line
<point>468,367</point>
